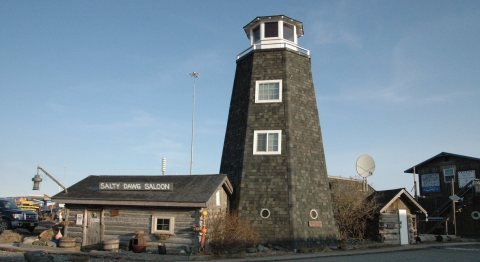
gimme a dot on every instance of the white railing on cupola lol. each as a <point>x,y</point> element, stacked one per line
<point>273,45</point>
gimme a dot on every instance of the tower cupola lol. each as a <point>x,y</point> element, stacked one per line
<point>269,32</point>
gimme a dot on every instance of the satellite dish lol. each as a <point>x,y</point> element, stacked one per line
<point>365,166</point>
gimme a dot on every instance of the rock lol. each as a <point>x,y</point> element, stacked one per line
<point>278,248</point>
<point>262,248</point>
<point>251,250</point>
<point>303,250</point>
<point>326,249</point>
<point>46,235</point>
<point>44,243</point>
<point>29,240</point>
<point>9,236</point>
<point>37,256</point>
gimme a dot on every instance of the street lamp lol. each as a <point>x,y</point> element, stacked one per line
<point>37,179</point>
<point>194,76</point>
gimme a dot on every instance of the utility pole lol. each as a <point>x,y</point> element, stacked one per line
<point>453,206</point>
<point>194,76</point>
<point>415,184</point>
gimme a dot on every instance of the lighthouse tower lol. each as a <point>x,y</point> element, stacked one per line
<point>273,151</point>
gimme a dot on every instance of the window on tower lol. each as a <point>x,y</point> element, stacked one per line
<point>288,32</point>
<point>268,91</point>
<point>267,142</point>
<point>256,34</point>
<point>271,29</point>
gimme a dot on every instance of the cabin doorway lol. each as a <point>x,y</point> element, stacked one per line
<point>402,217</point>
<point>93,229</point>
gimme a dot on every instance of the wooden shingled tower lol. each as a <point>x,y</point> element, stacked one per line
<point>273,150</point>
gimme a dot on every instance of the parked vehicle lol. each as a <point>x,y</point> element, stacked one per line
<point>13,217</point>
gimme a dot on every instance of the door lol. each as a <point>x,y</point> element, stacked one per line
<point>93,235</point>
<point>402,217</point>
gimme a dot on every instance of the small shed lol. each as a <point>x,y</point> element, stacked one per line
<point>397,216</point>
<point>165,208</point>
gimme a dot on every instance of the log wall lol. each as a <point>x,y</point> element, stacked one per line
<point>119,222</point>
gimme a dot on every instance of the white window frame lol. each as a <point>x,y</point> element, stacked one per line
<point>171,230</point>
<point>444,171</point>
<point>257,90</point>
<point>255,140</point>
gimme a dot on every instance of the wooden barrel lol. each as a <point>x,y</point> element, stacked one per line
<point>138,243</point>
<point>67,242</point>
<point>111,245</point>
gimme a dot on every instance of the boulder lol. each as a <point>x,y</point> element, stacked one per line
<point>46,235</point>
<point>29,240</point>
<point>9,236</point>
<point>262,248</point>
<point>44,243</point>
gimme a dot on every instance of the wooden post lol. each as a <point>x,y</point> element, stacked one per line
<point>84,228</point>
<point>453,207</point>
<point>65,225</point>
<point>102,225</point>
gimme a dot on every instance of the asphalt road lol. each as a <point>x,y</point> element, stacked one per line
<point>452,252</point>
<point>469,253</point>
<point>11,256</point>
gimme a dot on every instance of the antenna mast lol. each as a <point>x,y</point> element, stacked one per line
<point>194,76</point>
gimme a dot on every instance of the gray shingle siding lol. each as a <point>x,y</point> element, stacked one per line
<point>289,184</point>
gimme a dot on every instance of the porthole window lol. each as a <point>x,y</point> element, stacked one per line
<point>265,213</point>
<point>313,214</point>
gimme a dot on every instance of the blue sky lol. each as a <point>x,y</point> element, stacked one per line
<point>103,87</point>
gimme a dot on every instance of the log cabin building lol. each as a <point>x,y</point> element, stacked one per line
<point>396,218</point>
<point>165,208</point>
<point>395,211</point>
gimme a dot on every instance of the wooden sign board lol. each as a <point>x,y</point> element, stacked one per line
<point>132,186</point>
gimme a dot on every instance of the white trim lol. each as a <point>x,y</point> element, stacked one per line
<point>403,191</point>
<point>280,29</point>
<point>171,225</point>
<point>217,198</point>
<point>257,90</point>
<point>261,213</point>
<point>445,180</point>
<point>255,140</point>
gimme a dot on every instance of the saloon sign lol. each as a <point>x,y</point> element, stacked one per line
<point>143,186</point>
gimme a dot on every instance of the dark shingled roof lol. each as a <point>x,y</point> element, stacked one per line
<point>442,154</point>
<point>384,197</point>
<point>193,190</point>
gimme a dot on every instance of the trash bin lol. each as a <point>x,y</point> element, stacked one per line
<point>162,249</point>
